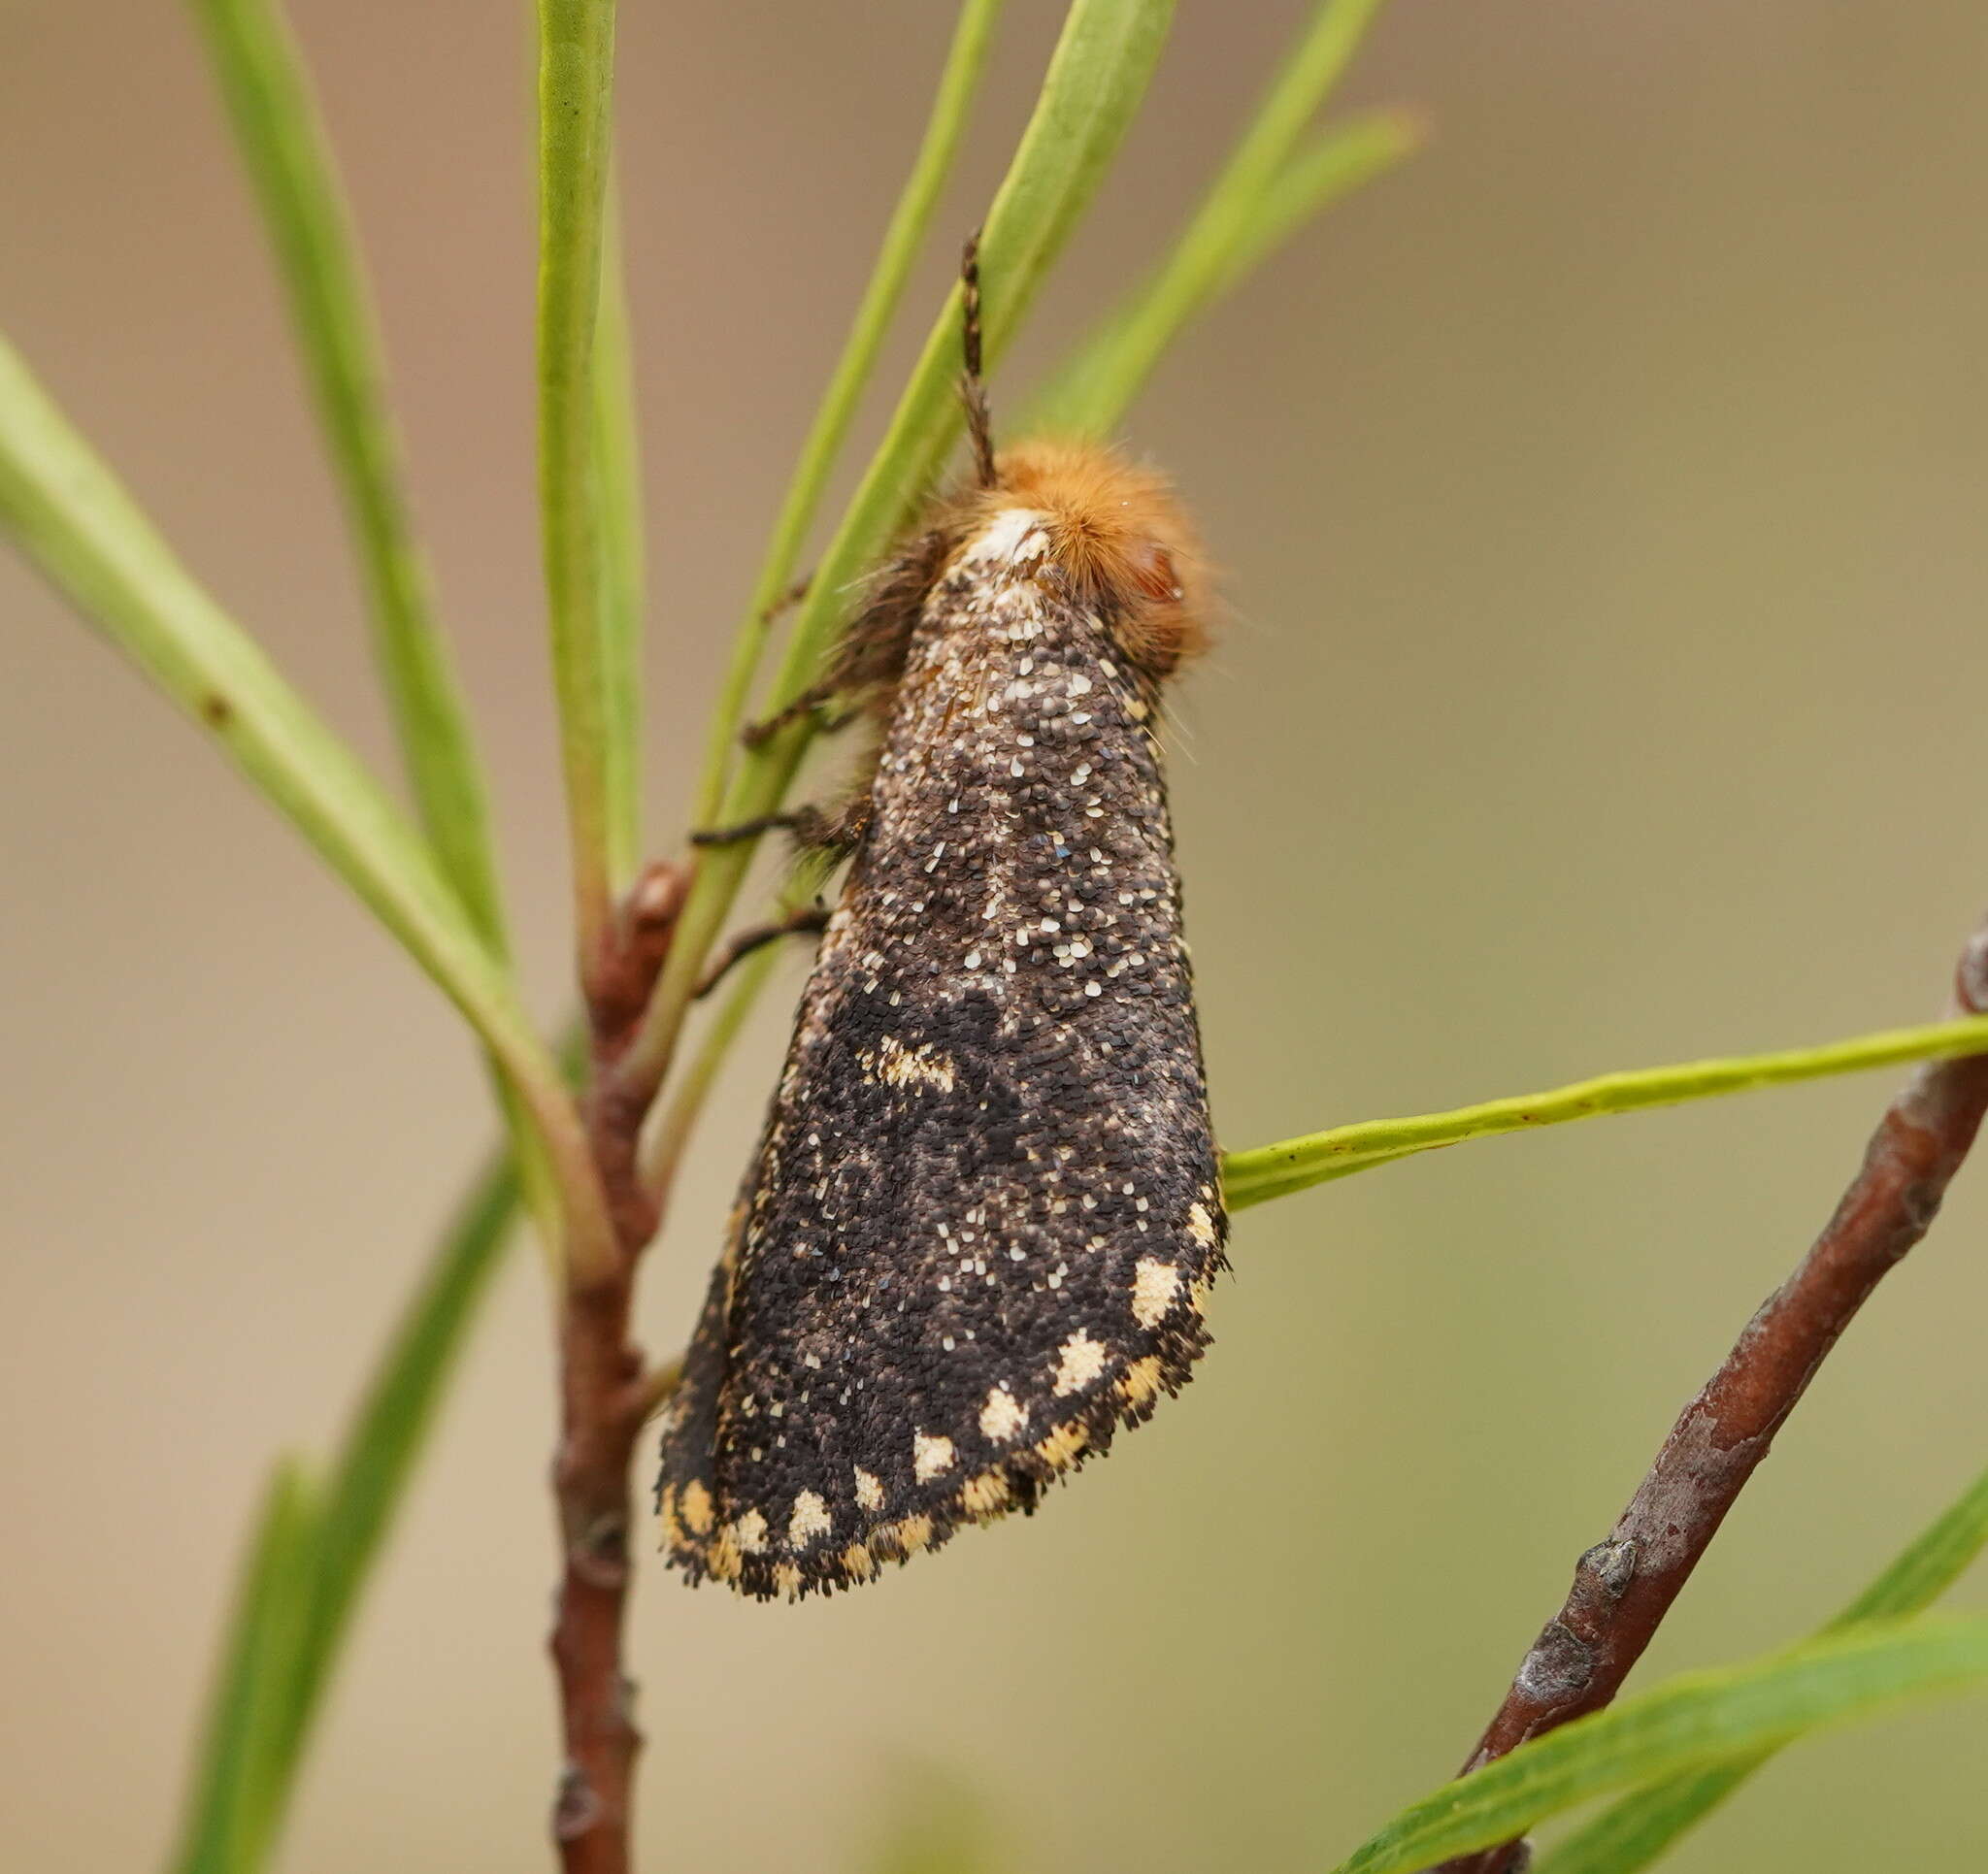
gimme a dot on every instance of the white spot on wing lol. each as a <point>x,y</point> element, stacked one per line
<point>1079,1362</point>
<point>810,1520</point>
<point>931,1456</point>
<point>1154,1285</point>
<point>1001,1417</point>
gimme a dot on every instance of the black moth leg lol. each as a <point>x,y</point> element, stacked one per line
<point>836,831</point>
<point>742,830</point>
<point>812,701</point>
<point>811,922</point>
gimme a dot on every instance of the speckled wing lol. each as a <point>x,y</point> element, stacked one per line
<point>986,1205</point>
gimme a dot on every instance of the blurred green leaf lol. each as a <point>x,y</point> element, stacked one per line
<point>360,1497</point>
<point>973,37</point>
<point>575,86</point>
<point>1338,161</point>
<point>617,477</point>
<point>1695,1720</point>
<point>1245,213</point>
<point>236,1797</point>
<point>934,1823</point>
<point>1092,90</point>
<point>1090,392</point>
<point>1294,1164</point>
<point>312,1552</point>
<point>284,150</point>
<point>68,513</point>
<point>1635,1831</point>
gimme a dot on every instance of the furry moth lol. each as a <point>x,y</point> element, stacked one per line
<point>976,1233</point>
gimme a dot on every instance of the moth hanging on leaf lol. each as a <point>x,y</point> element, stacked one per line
<point>976,1236</point>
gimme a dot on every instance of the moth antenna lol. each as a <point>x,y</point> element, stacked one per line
<point>972,388</point>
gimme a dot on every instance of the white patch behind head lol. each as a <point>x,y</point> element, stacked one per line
<point>1014,534</point>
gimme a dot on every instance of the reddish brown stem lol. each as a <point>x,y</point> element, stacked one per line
<point>1624,1586</point>
<point>604,1395</point>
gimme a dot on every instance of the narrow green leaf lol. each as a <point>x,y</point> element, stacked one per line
<point>617,475</point>
<point>310,1554</point>
<point>369,1477</point>
<point>234,1799</point>
<point>576,82</point>
<point>289,162</point>
<point>952,104</point>
<point>1095,82</point>
<point>1091,394</point>
<point>1294,1164</point>
<point>1338,163</point>
<point>1635,1831</point>
<point>284,150</point>
<point>1692,1720</point>
<point>70,516</point>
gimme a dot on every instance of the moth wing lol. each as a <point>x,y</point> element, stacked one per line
<point>986,1207</point>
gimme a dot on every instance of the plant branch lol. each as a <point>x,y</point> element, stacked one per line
<point>1635,1831</point>
<point>1624,1586</point>
<point>1688,1723</point>
<point>607,1392</point>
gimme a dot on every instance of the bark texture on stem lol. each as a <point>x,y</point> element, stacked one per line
<point>605,1393</point>
<point>1623,1587</point>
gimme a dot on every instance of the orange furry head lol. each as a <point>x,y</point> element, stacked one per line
<point>1118,540</point>
<point>1117,535</point>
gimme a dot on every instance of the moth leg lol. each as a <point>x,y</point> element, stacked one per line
<point>814,919</point>
<point>787,600</point>
<point>811,701</point>
<point>742,829</point>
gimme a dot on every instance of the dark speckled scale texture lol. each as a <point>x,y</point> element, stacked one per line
<point>986,1209</point>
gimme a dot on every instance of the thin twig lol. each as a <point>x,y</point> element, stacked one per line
<point>1624,1587</point>
<point>607,1392</point>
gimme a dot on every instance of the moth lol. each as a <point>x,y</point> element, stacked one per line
<point>976,1235</point>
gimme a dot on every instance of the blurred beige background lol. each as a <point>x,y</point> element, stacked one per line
<point>1601,499</point>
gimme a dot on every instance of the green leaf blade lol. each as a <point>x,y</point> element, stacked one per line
<point>903,236</point>
<point>78,525</point>
<point>235,1799</point>
<point>1632,1833</point>
<point>1293,1165</point>
<point>576,78</point>
<point>369,1477</point>
<point>1691,1723</point>
<point>289,164</point>
<point>617,479</point>
<point>312,1551</point>
<point>1250,206</point>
